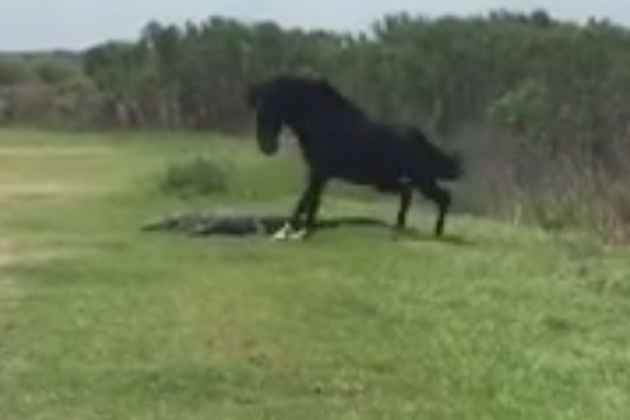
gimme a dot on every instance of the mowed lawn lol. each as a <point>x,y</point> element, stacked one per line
<point>99,320</point>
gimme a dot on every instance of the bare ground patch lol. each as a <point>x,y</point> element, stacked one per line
<point>39,151</point>
<point>13,184</point>
<point>46,189</point>
<point>13,254</point>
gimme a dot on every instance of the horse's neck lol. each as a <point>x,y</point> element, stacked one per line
<point>323,116</point>
<point>301,133</point>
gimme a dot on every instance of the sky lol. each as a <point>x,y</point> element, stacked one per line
<point>76,24</point>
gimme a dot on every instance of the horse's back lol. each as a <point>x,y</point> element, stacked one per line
<point>340,140</point>
<point>366,153</point>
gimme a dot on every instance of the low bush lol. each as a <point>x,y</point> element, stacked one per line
<point>197,177</point>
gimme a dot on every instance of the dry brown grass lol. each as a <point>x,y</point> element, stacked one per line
<point>555,190</point>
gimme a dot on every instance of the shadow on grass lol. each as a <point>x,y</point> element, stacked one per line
<point>245,225</point>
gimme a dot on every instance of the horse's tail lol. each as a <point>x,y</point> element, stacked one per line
<point>450,166</point>
<point>442,164</point>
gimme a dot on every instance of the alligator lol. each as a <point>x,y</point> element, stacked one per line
<point>241,224</point>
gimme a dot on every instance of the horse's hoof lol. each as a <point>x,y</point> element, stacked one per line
<point>279,236</point>
<point>284,233</point>
<point>298,235</point>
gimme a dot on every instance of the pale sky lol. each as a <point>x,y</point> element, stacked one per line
<point>39,24</point>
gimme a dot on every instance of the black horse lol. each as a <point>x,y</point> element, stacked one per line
<point>340,141</point>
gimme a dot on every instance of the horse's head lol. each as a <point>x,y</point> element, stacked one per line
<point>269,104</point>
<point>277,102</point>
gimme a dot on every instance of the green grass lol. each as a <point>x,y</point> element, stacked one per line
<point>101,321</point>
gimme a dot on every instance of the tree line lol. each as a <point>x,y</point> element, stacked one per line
<point>547,80</point>
<point>544,79</point>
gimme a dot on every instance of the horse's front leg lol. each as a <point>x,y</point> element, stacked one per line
<point>309,200</point>
<point>289,227</point>
<point>313,204</point>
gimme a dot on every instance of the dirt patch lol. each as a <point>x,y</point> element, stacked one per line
<point>5,254</point>
<point>11,254</point>
<point>34,190</point>
<point>53,150</point>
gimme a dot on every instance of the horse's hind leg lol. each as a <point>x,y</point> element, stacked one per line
<point>406,197</point>
<point>442,198</point>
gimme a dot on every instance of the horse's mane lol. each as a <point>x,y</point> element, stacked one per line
<point>342,102</point>
<point>322,89</point>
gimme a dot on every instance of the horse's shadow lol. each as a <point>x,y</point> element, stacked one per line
<point>409,234</point>
<point>416,235</point>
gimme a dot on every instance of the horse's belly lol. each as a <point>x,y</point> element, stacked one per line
<point>382,181</point>
<point>367,168</point>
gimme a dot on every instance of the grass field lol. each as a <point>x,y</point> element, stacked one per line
<point>99,320</point>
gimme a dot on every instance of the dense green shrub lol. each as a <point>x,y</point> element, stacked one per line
<point>197,177</point>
